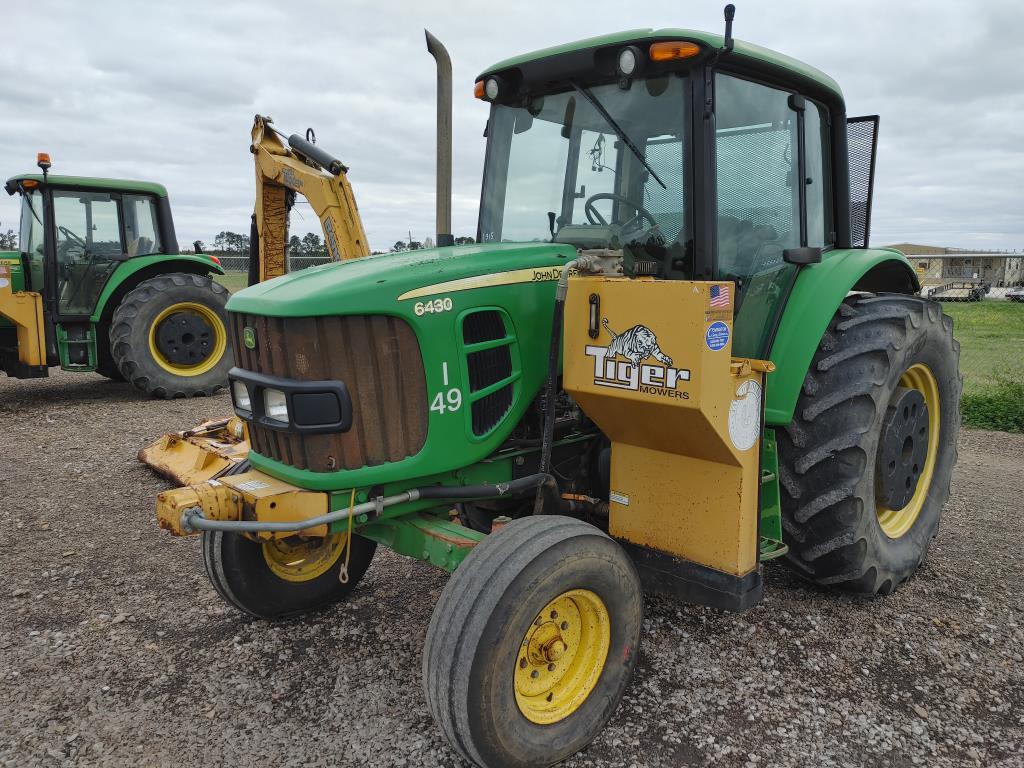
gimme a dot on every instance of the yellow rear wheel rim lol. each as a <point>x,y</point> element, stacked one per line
<point>211,318</point>
<point>301,559</point>
<point>562,656</point>
<point>896,522</point>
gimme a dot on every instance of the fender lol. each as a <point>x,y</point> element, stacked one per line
<point>817,294</point>
<point>157,264</point>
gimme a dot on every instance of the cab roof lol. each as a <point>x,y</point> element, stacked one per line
<point>89,182</point>
<point>753,54</point>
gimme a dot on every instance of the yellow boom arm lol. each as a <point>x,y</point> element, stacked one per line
<point>280,169</point>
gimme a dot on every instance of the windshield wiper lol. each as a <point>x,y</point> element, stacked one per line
<point>618,131</point>
<point>32,207</point>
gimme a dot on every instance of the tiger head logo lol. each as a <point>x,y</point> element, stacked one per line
<point>636,345</point>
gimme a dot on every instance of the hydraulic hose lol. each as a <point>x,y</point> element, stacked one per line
<point>500,490</point>
<point>193,520</point>
<point>561,290</point>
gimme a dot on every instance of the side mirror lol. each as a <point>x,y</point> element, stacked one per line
<point>802,256</point>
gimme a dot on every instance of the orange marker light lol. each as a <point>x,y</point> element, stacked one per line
<point>43,158</point>
<point>29,184</point>
<point>673,50</point>
<point>478,89</point>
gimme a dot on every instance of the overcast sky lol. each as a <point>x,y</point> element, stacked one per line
<point>166,91</point>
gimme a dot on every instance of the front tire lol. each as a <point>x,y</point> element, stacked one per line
<point>533,642</point>
<point>865,465</point>
<point>168,337</point>
<point>272,580</point>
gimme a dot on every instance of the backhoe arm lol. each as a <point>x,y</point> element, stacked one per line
<point>282,171</point>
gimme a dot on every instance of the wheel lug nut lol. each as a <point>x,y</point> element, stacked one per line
<point>551,667</point>
<point>522,663</point>
<point>565,625</point>
<point>535,674</point>
<point>554,614</point>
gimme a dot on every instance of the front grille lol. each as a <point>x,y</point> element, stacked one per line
<point>490,409</point>
<point>483,325</point>
<point>488,367</point>
<point>378,359</point>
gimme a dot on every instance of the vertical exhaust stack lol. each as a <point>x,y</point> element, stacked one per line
<point>444,139</point>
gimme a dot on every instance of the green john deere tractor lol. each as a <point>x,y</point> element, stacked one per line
<point>670,357</point>
<point>99,285</point>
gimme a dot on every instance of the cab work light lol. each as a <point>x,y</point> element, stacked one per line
<point>488,89</point>
<point>673,50</point>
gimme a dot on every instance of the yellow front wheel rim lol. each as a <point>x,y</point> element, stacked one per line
<point>299,559</point>
<point>896,522</point>
<point>215,346</point>
<point>562,656</point>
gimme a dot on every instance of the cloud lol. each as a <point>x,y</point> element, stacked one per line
<point>167,91</point>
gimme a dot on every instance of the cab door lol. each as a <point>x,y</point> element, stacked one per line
<point>88,244</point>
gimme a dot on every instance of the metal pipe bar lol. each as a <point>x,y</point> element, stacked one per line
<point>444,139</point>
<point>192,518</point>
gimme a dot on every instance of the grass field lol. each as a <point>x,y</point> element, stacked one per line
<point>233,281</point>
<point>991,336</point>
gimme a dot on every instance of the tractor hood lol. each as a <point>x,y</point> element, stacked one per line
<point>386,283</point>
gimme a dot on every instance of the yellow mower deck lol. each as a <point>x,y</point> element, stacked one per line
<point>199,454</point>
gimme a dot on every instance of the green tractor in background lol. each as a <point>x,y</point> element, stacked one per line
<point>99,285</point>
<point>670,357</point>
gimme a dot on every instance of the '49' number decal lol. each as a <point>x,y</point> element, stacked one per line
<point>437,305</point>
<point>448,400</point>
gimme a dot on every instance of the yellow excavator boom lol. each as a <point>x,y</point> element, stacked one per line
<point>283,170</point>
<point>300,167</point>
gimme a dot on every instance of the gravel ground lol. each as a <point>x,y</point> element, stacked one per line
<point>115,650</point>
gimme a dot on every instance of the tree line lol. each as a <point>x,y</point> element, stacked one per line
<point>8,240</point>
<point>311,244</point>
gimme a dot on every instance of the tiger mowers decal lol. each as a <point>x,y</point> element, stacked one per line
<point>637,345</point>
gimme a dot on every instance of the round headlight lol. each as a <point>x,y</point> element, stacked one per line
<point>491,88</point>
<point>627,61</point>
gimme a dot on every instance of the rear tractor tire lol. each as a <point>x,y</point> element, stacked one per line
<point>533,643</point>
<point>279,578</point>
<point>865,465</point>
<point>169,338</point>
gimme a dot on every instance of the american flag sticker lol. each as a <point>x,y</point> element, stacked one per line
<point>719,297</point>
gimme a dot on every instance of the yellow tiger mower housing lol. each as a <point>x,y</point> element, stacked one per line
<point>684,420</point>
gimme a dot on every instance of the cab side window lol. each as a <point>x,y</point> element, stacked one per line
<point>758,201</point>
<point>765,204</point>
<point>140,229</point>
<point>819,176</point>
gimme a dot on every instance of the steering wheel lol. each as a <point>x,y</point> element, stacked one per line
<point>594,216</point>
<point>71,236</point>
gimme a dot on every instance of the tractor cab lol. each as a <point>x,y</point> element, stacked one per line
<point>702,159</point>
<point>93,225</point>
<point>85,245</point>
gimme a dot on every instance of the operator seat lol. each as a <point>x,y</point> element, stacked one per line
<point>140,246</point>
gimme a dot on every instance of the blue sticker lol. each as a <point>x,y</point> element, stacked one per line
<point>717,336</point>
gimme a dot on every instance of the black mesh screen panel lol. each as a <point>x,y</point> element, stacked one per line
<point>862,140</point>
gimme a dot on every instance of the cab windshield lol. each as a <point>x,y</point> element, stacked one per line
<point>596,167</point>
<point>31,238</point>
